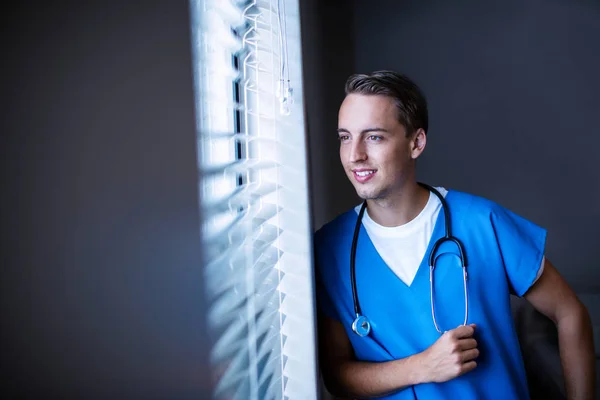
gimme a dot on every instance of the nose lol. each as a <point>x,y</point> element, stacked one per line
<point>357,151</point>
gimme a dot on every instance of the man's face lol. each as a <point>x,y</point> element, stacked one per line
<point>374,150</point>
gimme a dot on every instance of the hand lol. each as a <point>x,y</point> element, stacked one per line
<point>452,355</point>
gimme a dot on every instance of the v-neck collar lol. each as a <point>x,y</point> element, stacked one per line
<point>371,256</point>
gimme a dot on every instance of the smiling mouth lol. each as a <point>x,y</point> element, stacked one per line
<point>364,174</point>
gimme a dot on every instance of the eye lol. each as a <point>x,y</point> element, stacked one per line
<point>344,138</point>
<point>375,138</point>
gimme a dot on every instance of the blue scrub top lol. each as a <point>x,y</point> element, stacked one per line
<point>504,252</point>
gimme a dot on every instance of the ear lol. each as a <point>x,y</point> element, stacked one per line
<point>418,143</point>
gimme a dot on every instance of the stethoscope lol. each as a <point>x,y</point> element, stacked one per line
<point>361,325</point>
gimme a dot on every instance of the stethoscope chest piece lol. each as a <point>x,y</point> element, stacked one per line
<point>361,326</point>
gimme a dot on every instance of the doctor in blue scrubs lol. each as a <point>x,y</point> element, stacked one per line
<point>414,283</point>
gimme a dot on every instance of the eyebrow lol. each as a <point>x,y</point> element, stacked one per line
<point>368,130</point>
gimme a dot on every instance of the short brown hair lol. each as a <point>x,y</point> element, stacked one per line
<point>407,96</point>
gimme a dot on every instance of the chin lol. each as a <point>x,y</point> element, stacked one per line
<point>368,194</point>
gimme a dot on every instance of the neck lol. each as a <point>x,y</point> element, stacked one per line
<point>401,207</point>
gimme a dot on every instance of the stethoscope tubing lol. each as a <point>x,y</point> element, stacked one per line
<point>361,324</point>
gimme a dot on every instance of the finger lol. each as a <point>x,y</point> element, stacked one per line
<point>464,331</point>
<point>467,344</point>
<point>468,367</point>
<point>469,355</point>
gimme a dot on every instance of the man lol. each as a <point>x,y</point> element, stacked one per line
<point>445,343</point>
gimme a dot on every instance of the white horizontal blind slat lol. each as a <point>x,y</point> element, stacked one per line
<point>254,203</point>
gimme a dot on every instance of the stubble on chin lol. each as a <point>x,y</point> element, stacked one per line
<point>369,194</point>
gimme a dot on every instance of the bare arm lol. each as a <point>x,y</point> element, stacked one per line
<point>552,296</point>
<point>343,376</point>
<point>452,355</point>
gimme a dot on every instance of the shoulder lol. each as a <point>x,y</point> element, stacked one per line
<point>472,204</point>
<point>473,208</point>
<point>336,230</point>
<point>331,243</point>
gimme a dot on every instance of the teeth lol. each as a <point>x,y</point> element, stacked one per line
<point>364,173</point>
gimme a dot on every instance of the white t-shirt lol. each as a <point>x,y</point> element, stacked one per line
<point>403,247</point>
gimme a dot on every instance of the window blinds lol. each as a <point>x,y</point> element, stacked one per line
<point>254,198</point>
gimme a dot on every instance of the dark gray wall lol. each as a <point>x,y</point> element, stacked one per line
<point>513,92</point>
<point>100,280</point>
